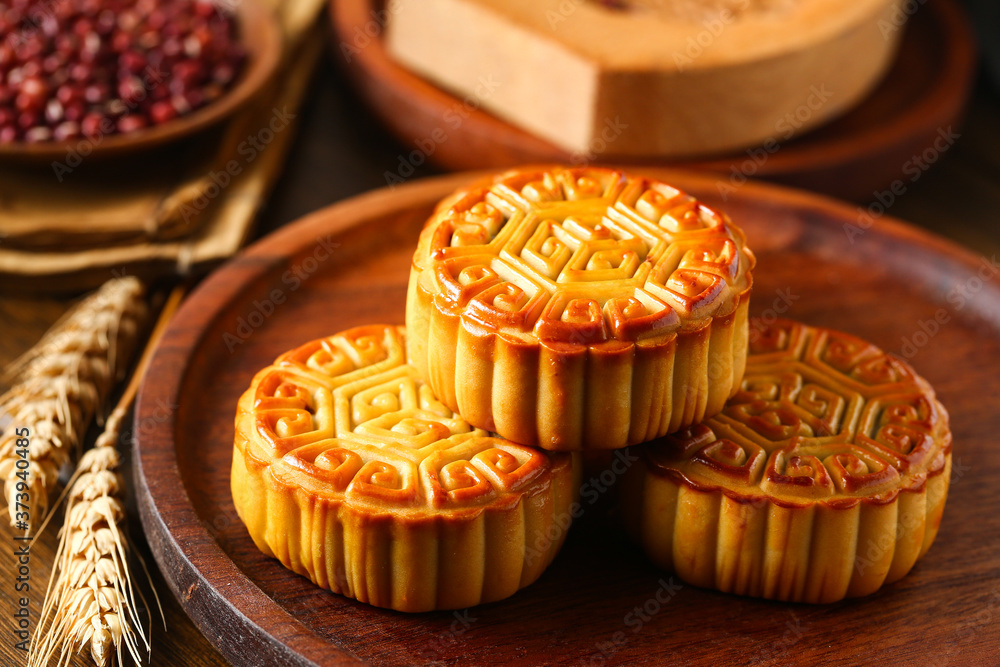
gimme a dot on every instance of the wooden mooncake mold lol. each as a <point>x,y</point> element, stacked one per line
<point>652,78</point>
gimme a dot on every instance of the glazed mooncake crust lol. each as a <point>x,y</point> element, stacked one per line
<point>350,472</point>
<point>577,309</point>
<point>824,477</point>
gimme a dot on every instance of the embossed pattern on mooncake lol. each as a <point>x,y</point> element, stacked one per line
<point>344,456</point>
<point>825,476</point>
<point>536,299</point>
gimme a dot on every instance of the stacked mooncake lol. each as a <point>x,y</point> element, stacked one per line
<point>555,311</point>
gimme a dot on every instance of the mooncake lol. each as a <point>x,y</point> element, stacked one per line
<point>579,308</point>
<point>824,477</point>
<point>350,472</point>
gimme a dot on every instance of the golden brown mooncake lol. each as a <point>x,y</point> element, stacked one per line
<point>348,471</point>
<point>823,478</point>
<point>579,308</point>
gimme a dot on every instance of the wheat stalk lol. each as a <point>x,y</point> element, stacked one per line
<point>61,383</point>
<point>90,601</point>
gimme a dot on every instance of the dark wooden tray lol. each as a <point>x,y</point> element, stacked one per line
<point>348,265</point>
<point>853,156</point>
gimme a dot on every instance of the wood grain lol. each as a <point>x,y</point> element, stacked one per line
<point>863,150</point>
<point>885,286</point>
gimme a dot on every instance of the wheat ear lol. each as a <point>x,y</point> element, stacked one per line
<point>61,383</point>
<point>91,599</point>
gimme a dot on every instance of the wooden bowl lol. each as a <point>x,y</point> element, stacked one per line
<point>349,264</point>
<point>260,34</point>
<point>865,149</point>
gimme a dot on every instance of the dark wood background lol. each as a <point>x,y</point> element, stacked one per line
<point>341,151</point>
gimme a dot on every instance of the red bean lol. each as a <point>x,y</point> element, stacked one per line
<point>67,93</point>
<point>53,63</point>
<point>33,94</point>
<point>67,130</point>
<point>83,26</point>
<point>223,74</point>
<point>160,91</point>
<point>80,72</point>
<point>121,41</point>
<point>15,77</point>
<point>7,54</point>
<point>180,104</point>
<point>131,90</point>
<point>93,67</point>
<point>27,120</point>
<point>132,61</point>
<point>91,125</point>
<point>172,47</point>
<point>189,73</point>
<point>205,10</point>
<point>74,111</point>
<point>131,123</point>
<point>96,93</point>
<point>195,98</point>
<point>162,111</point>
<point>66,43</point>
<point>38,134</point>
<point>54,111</point>
<point>106,22</point>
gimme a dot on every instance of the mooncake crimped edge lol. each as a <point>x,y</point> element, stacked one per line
<point>817,551</point>
<point>570,397</point>
<point>411,563</point>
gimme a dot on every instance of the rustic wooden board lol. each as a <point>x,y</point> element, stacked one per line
<point>348,265</point>
<point>862,151</point>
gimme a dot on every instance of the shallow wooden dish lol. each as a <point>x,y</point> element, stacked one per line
<point>260,33</point>
<point>348,265</point>
<point>924,92</point>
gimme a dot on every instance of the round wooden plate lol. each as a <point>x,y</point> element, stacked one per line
<point>601,602</point>
<point>262,38</point>
<point>864,150</point>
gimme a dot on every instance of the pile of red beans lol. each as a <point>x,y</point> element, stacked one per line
<point>90,68</point>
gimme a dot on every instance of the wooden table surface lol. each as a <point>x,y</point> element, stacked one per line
<point>341,151</point>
